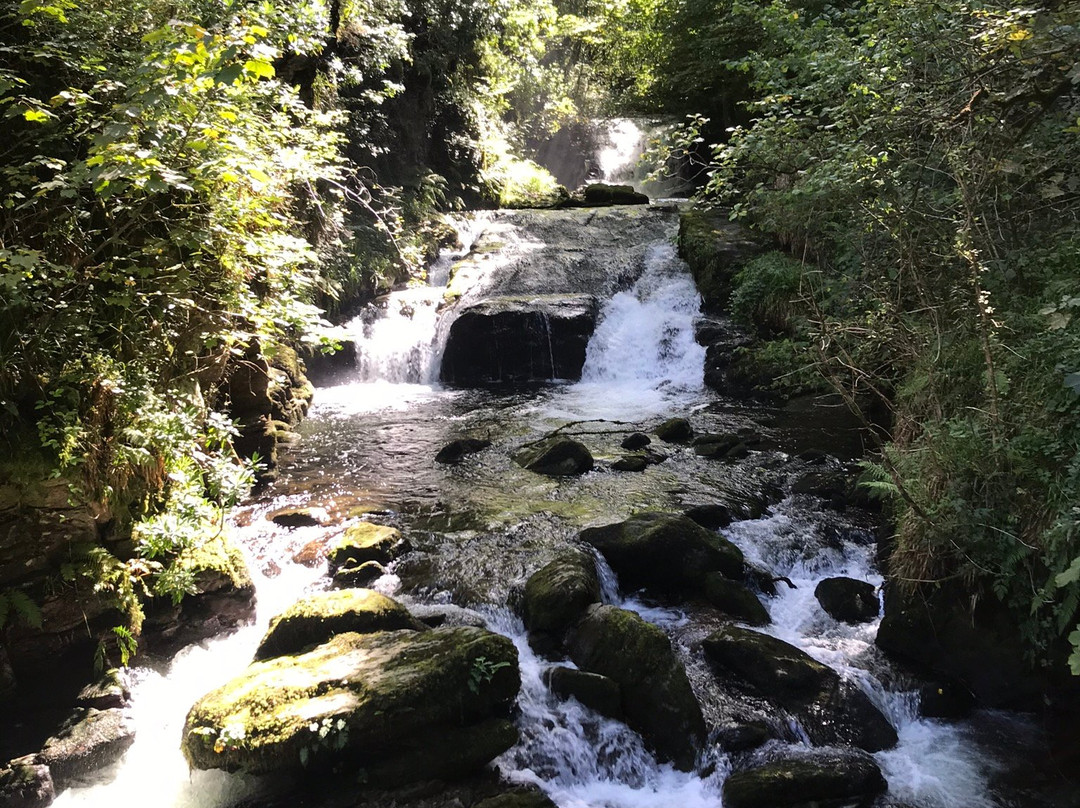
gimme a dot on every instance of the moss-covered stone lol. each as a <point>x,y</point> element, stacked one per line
<point>560,591</point>
<point>599,693</point>
<point>715,249</point>
<point>656,696</point>
<point>599,194</point>
<point>811,781</point>
<point>517,799</point>
<point>675,430</point>
<point>357,697</point>
<point>109,691</point>
<point>556,457</point>
<point>831,711</point>
<point>362,575</point>
<point>366,542</point>
<point>735,600</point>
<point>26,784</point>
<point>315,619</point>
<point>666,552</point>
<point>848,599</point>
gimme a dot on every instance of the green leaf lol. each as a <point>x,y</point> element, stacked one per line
<point>36,115</point>
<point>1071,575</point>
<point>230,74</point>
<point>259,68</point>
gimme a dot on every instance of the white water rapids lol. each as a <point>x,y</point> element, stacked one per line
<point>641,363</point>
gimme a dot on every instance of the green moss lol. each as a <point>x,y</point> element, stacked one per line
<point>214,562</point>
<point>715,249</point>
<point>363,542</point>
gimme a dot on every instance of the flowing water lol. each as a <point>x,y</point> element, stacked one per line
<point>481,527</point>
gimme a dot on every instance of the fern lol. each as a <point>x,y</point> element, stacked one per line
<point>17,605</point>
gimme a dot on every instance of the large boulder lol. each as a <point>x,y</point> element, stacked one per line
<point>599,194</point>
<point>519,339</point>
<point>665,552</point>
<point>735,600</point>
<point>25,783</point>
<point>315,619</point>
<point>556,456</point>
<point>809,780</point>
<point>365,542</point>
<point>847,599</point>
<point>386,702</point>
<point>831,711</point>
<point>557,594</point>
<point>596,692</point>
<point>657,699</point>
<point>89,741</point>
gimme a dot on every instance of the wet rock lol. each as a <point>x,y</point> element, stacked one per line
<point>945,700</point>
<point>555,457</point>
<point>457,449</point>
<point>721,447</point>
<point>600,194</point>
<point>300,517</point>
<point>834,778</point>
<point>654,457</point>
<point>715,249</point>
<point>663,551</point>
<point>711,517</point>
<point>108,692</point>
<point>366,542</point>
<point>635,462</point>
<point>532,798</point>
<point>434,699</point>
<point>315,619</point>
<point>675,430</point>
<point>26,784</point>
<point>358,575</point>
<point>558,594</point>
<point>831,711</point>
<point>519,339</point>
<point>847,599</point>
<point>742,737</point>
<point>656,696</point>
<point>814,457</point>
<point>822,484</point>
<point>596,692</point>
<point>88,742</point>
<point>446,614</point>
<point>311,554</point>
<point>635,441</point>
<point>735,600</point>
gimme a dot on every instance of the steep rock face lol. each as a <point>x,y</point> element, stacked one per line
<point>656,696</point>
<point>396,703</point>
<point>519,339</point>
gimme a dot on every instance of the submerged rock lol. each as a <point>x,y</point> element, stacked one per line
<point>366,542</point>
<point>664,551</point>
<point>832,711</point>
<point>26,784</point>
<point>675,430</point>
<point>656,696</point>
<point>599,693</point>
<point>847,599</point>
<point>557,595</point>
<point>88,742</point>
<point>834,778</point>
<point>457,449</point>
<point>555,457</point>
<point>394,703</point>
<point>315,619</point>
<point>735,600</point>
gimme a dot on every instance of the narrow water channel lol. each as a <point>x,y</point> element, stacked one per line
<point>481,527</point>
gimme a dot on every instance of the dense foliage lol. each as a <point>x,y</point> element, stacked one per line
<point>918,160</point>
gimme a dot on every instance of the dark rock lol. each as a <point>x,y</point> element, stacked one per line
<point>945,700</point>
<point>300,517</point>
<point>358,575</point>
<point>742,737</point>
<point>366,542</point>
<point>600,194</point>
<point>315,619</point>
<point>533,798</point>
<point>832,711</point>
<point>848,600</point>
<point>711,517</point>
<point>656,696</point>
<point>735,600</point>
<point>434,699</point>
<point>635,441</point>
<point>90,741</point>
<point>834,778</point>
<point>675,430</point>
<point>737,452</point>
<point>822,484</point>
<point>936,630</point>
<point>814,457</point>
<point>555,457</point>
<point>663,551</point>
<point>108,692</point>
<point>519,339</point>
<point>558,594</point>
<point>715,249</point>
<point>26,784</point>
<point>596,692</point>
<point>457,449</point>
<point>636,462</point>
<point>653,457</point>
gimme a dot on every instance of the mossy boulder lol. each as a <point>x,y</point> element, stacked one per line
<point>109,691</point>
<point>832,711</point>
<point>556,457</point>
<point>657,699</point>
<point>315,619</point>
<point>665,552</point>
<point>599,693</point>
<point>848,600</point>
<point>361,575</point>
<point>675,430</point>
<point>366,700</point>
<point>25,783</point>
<point>834,778</point>
<point>735,600</point>
<point>557,594</point>
<point>366,542</point>
<point>600,194</point>
<point>517,799</point>
<point>635,441</point>
<point>631,462</point>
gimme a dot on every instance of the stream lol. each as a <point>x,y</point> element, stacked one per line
<point>481,527</point>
